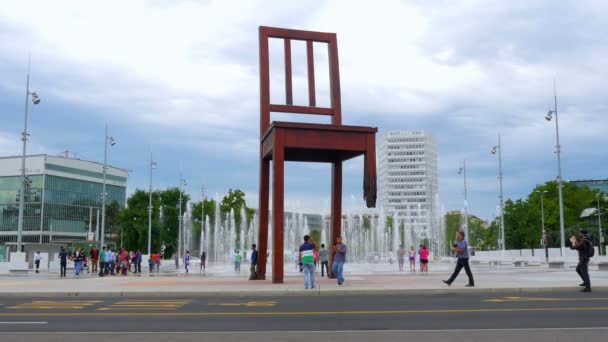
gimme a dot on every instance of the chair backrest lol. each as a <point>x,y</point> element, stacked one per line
<point>334,75</point>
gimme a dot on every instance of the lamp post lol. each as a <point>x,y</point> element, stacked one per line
<point>599,222</point>
<point>24,135</point>
<point>560,183</point>
<point>544,232</point>
<point>463,171</point>
<point>152,166</point>
<point>498,148</point>
<point>104,194</point>
<point>180,218</point>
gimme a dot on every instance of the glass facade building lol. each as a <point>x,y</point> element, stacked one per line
<point>594,184</point>
<point>62,198</point>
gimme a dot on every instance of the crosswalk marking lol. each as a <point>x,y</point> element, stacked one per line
<point>53,304</point>
<point>247,304</point>
<point>146,304</point>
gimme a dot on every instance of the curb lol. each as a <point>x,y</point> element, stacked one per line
<point>288,293</point>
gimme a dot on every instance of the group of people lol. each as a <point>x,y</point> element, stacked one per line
<point>423,252</point>
<point>309,254</point>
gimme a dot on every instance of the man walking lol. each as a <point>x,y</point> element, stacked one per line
<point>37,258</point>
<point>307,259</point>
<point>324,258</point>
<point>203,260</point>
<point>254,263</point>
<point>94,253</point>
<point>339,251</point>
<point>63,262</point>
<point>102,261</point>
<point>461,249</point>
<point>583,247</point>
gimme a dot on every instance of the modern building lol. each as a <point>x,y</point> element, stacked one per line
<point>407,168</point>
<point>593,184</point>
<point>62,198</point>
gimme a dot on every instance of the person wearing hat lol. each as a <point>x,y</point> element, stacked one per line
<point>583,246</point>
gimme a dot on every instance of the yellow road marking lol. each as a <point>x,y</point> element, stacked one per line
<point>146,304</point>
<point>49,304</point>
<point>536,299</point>
<point>299,313</point>
<point>248,304</point>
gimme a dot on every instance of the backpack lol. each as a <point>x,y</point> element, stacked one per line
<point>591,250</point>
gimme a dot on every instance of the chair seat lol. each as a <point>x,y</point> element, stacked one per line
<point>321,143</point>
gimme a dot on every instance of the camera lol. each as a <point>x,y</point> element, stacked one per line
<point>455,245</point>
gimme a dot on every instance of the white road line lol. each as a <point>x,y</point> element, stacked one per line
<point>24,323</point>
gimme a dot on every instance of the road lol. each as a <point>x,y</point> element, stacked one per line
<point>479,314</point>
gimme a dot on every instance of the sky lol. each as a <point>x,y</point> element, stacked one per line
<point>180,79</point>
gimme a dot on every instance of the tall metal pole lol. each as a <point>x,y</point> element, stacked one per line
<point>466,202</point>
<point>560,183</point>
<point>24,139</point>
<point>544,233</point>
<point>180,219</point>
<point>103,191</point>
<point>502,202</point>
<point>152,163</point>
<point>599,223</point>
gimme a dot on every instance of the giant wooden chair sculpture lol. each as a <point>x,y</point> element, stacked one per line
<point>288,141</point>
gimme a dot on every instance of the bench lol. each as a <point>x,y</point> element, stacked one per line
<point>520,263</point>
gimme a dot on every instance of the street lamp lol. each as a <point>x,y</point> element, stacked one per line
<point>180,218</point>
<point>152,166</point>
<point>104,194</point>
<point>560,185</point>
<point>463,171</point>
<point>24,135</point>
<point>599,221</point>
<point>544,232</point>
<point>498,149</point>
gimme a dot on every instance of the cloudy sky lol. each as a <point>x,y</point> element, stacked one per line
<point>180,79</point>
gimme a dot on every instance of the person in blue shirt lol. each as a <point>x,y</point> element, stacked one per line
<point>307,259</point>
<point>462,253</point>
<point>254,263</point>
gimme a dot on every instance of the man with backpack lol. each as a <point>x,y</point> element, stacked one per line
<point>585,252</point>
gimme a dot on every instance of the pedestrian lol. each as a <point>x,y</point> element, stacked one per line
<point>177,261</point>
<point>401,257</point>
<point>203,259</point>
<point>94,253</point>
<point>324,258</point>
<point>124,261</point>
<point>307,259</point>
<point>462,253</point>
<point>412,257</point>
<point>37,258</point>
<point>187,261</point>
<point>254,263</point>
<point>339,251</point>
<point>78,260</point>
<point>138,258</point>
<point>424,259</point>
<point>585,252</point>
<point>315,254</point>
<point>237,262</point>
<point>158,260</point>
<point>63,262</point>
<point>110,262</point>
<point>151,263</point>
<point>102,261</point>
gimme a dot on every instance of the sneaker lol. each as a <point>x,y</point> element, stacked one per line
<point>313,287</point>
<point>586,289</point>
<point>582,284</point>
<point>447,283</point>
<point>470,285</point>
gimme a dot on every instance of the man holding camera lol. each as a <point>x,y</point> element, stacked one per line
<point>583,247</point>
<point>462,253</point>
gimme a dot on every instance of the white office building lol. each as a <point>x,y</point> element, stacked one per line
<point>408,179</point>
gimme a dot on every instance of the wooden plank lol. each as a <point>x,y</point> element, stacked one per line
<point>264,83</point>
<point>278,192</point>
<point>275,32</point>
<point>288,73</point>
<point>300,109</point>
<point>334,81</point>
<point>263,222</point>
<point>336,208</point>
<point>310,61</point>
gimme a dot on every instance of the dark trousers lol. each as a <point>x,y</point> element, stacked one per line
<point>583,270</point>
<point>462,262</point>
<point>324,267</point>
<point>37,262</point>
<point>253,272</point>
<point>102,268</point>
<point>63,268</point>
<point>138,268</point>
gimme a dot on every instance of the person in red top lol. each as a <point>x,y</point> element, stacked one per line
<point>94,259</point>
<point>124,261</point>
<point>424,259</point>
<point>315,254</point>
